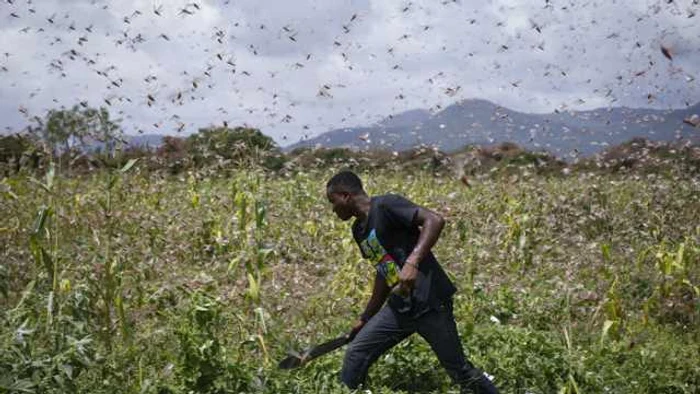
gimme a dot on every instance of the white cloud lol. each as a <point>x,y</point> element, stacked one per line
<point>377,57</point>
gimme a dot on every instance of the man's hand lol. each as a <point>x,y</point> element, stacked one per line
<point>355,329</point>
<point>407,278</point>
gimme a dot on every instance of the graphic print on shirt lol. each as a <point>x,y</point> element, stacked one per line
<point>384,262</point>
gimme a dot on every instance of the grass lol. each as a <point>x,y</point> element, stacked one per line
<point>125,281</point>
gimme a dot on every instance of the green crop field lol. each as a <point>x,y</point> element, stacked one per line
<point>136,282</point>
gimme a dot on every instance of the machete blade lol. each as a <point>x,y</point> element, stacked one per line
<point>295,360</point>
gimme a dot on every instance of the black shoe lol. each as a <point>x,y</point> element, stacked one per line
<point>477,383</point>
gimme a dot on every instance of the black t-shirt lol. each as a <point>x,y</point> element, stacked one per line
<point>387,239</point>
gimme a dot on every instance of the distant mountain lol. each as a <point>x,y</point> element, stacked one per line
<point>480,122</point>
<point>406,119</point>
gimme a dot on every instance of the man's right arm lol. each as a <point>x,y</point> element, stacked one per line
<point>380,292</point>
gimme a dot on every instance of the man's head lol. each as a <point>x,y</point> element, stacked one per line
<point>341,190</point>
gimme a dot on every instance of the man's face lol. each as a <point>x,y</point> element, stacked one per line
<point>341,204</point>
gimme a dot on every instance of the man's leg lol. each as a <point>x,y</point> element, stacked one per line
<point>380,334</point>
<point>439,329</point>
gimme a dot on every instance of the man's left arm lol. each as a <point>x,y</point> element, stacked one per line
<point>431,225</point>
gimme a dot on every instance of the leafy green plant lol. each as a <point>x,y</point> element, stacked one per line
<point>214,275</point>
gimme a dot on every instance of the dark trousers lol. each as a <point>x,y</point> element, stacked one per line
<point>437,326</point>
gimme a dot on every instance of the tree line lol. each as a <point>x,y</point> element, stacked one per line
<point>83,139</point>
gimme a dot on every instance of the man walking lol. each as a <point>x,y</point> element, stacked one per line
<point>397,236</point>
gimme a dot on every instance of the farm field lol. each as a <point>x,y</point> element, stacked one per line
<point>130,282</point>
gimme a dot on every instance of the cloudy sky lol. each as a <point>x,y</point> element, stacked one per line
<point>303,67</point>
